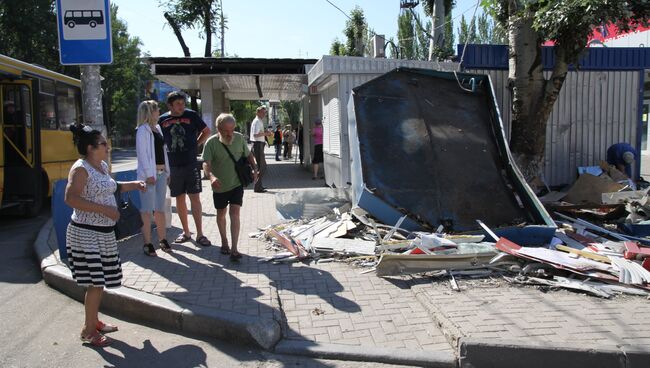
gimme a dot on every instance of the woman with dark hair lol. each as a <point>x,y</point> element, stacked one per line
<point>90,239</point>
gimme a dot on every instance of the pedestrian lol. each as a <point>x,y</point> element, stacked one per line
<point>299,141</point>
<point>228,191</point>
<point>153,169</point>
<point>90,238</point>
<point>258,136</point>
<point>184,131</point>
<point>622,155</point>
<point>277,142</point>
<point>317,158</point>
<point>289,139</point>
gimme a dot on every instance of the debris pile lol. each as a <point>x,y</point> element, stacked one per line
<point>582,256</point>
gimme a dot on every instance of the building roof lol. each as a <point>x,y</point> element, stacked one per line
<point>239,78</point>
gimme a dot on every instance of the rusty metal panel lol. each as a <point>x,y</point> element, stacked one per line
<point>594,110</point>
<point>428,148</point>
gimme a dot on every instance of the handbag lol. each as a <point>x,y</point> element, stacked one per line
<point>242,167</point>
<point>130,222</point>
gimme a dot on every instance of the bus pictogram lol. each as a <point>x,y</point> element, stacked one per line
<point>72,18</point>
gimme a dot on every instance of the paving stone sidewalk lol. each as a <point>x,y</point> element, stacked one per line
<point>325,303</point>
<point>334,303</point>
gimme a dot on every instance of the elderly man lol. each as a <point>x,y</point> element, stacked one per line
<point>258,137</point>
<point>227,189</point>
<point>622,155</point>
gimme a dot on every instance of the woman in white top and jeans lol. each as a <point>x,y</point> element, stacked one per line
<point>153,168</point>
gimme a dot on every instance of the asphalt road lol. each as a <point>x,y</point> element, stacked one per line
<point>40,326</point>
<point>123,159</point>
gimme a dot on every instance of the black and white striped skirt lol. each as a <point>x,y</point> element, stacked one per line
<point>93,257</point>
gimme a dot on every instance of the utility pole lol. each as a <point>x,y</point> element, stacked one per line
<point>223,30</point>
<point>437,30</point>
<point>91,93</point>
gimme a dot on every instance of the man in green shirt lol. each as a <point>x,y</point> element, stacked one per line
<point>227,189</point>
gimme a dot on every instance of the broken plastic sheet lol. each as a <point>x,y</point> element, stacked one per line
<point>310,203</point>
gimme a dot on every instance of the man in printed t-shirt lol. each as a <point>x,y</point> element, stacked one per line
<point>184,131</point>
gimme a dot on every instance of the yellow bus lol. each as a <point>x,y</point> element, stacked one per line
<point>36,110</point>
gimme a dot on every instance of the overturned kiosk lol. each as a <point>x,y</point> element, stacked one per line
<point>430,146</point>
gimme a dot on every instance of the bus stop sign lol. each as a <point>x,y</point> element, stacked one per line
<point>84,32</point>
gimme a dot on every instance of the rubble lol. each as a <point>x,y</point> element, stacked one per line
<point>582,256</point>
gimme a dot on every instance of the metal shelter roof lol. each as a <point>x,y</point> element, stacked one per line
<point>238,78</point>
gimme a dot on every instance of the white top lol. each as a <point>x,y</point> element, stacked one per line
<point>257,126</point>
<point>100,188</point>
<point>145,150</point>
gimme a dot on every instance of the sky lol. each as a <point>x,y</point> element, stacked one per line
<point>268,29</point>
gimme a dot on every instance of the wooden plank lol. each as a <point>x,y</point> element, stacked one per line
<point>582,253</point>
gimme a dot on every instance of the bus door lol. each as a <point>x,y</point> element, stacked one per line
<point>17,129</point>
<point>20,174</point>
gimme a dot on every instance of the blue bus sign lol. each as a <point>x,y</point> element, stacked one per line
<point>84,32</point>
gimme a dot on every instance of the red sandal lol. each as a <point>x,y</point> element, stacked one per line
<point>105,327</point>
<point>96,339</point>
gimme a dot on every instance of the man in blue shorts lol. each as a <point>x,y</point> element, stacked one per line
<point>184,131</point>
<point>227,189</point>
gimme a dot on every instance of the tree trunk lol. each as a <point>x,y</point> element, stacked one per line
<point>437,30</point>
<point>533,97</point>
<point>207,25</point>
<point>526,80</point>
<point>177,32</point>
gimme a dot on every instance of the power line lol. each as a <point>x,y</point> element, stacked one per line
<point>339,9</point>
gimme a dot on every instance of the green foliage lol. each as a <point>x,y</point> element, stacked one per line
<point>337,48</point>
<point>124,79</point>
<point>356,33</point>
<point>292,112</point>
<point>427,6</point>
<point>406,38</point>
<point>28,33</point>
<point>244,113</point>
<point>422,38</point>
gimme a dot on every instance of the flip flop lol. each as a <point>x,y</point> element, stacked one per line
<point>105,327</point>
<point>182,238</point>
<point>164,245</point>
<point>203,241</point>
<point>225,249</point>
<point>235,257</point>
<point>148,250</point>
<point>96,339</point>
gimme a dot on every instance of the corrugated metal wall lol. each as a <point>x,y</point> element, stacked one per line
<point>594,110</point>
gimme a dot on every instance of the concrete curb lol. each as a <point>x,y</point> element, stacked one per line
<point>157,310</point>
<point>449,329</point>
<point>366,354</point>
<point>475,352</point>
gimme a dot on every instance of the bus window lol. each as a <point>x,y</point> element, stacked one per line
<point>46,105</point>
<point>68,105</point>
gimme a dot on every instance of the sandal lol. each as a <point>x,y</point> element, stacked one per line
<point>105,327</point>
<point>164,245</point>
<point>225,249</point>
<point>182,238</point>
<point>235,257</point>
<point>203,241</point>
<point>96,339</point>
<point>148,250</point>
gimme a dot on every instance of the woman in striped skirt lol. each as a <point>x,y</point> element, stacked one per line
<point>92,249</point>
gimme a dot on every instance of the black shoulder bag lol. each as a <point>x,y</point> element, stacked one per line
<point>130,222</point>
<point>243,168</point>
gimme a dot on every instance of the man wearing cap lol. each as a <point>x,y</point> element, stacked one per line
<point>258,137</point>
<point>622,155</point>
